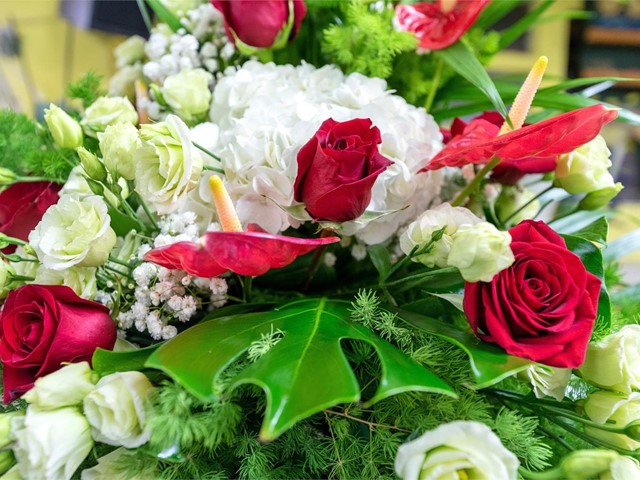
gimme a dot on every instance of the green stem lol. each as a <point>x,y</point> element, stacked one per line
<point>20,278</point>
<point>12,240</point>
<point>33,179</point>
<point>213,169</point>
<point>208,152</point>
<point>435,83</point>
<point>119,272</point>
<point>246,289</point>
<point>113,259</point>
<point>147,212</point>
<point>475,183</point>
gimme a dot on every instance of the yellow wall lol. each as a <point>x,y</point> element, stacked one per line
<point>46,40</point>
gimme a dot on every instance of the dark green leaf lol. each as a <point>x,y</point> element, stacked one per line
<point>494,12</point>
<point>304,373</point>
<point>123,224</point>
<point>106,361</point>
<point>516,30</point>
<point>489,363</point>
<point>461,59</point>
<point>381,259</point>
<point>596,231</point>
<point>591,257</point>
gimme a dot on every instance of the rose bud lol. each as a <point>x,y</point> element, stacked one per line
<point>337,169</point>
<point>261,23</point>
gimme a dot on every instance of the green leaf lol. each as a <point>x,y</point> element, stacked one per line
<point>105,361</point>
<point>304,373</point>
<point>494,12</point>
<point>591,257</point>
<point>454,299</point>
<point>165,15</point>
<point>489,363</point>
<point>123,224</point>
<point>381,259</point>
<point>516,30</point>
<point>461,59</point>
<point>596,231</point>
<point>624,245</point>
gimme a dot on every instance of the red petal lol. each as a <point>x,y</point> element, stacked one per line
<point>245,253</point>
<point>433,28</point>
<point>555,136</point>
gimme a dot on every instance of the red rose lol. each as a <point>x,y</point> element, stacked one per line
<point>337,169</point>
<point>542,307</point>
<point>43,326</point>
<point>259,23</point>
<point>435,24</point>
<point>22,206</point>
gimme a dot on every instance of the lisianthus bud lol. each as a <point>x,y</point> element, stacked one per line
<point>454,449</point>
<point>188,93</point>
<point>75,231</point>
<point>7,177</point>
<point>51,444</point>
<point>5,428</point>
<point>167,164</point>
<point>63,388</point>
<point>115,409</point>
<point>91,165</point>
<point>420,231</point>
<point>107,111</point>
<point>586,169</point>
<point>547,380</point>
<point>614,362</point>
<point>66,131</point>
<point>600,198</point>
<point>118,143</point>
<point>615,410</point>
<point>480,251</point>
<point>6,283</point>
<point>583,464</point>
<point>130,51</point>
<point>511,199</point>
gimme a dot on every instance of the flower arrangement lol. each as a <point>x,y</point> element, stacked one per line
<point>273,250</point>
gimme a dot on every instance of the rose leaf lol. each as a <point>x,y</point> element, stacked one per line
<point>305,372</point>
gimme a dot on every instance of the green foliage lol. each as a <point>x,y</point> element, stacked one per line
<point>519,436</point>
<point>86,89</point>
<point>366,41</point>
<point>27,149</point>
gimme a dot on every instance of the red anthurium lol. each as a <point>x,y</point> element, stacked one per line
<point>245,253</point>
<point>547,139</point>
<point>439,24</point>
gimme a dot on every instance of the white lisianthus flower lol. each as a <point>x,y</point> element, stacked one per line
<point>81,280</point>
<point>66,131</point>
<point>187,93</point>
<point>115,409</point>
<point>75,231</point>
<point>168,166</point>
<point>455,448</point>
<point>586,169</point>
<point>616,410</point>
<point>480,251</point>
<point>51,444</point>
<point>118,144</point>
<point>420,231</point>
<point>113,467</point>
<point>130,51</point>
<point>622,468</point>
<point>614,362</point>
<point>107,111</point>
<point>547,380</point>
<point>76,184</point>
<point>66,387</point>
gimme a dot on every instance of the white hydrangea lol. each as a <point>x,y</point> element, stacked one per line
<point>266,113</point>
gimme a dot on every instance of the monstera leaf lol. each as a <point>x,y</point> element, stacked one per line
<point>304,373</point>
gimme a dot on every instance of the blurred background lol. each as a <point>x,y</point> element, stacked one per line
<point>45,44</point>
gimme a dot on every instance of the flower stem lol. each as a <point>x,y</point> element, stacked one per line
<point>525,205</point>
<point>474,184</point>
<point>435,83</point>
<point>208,152</point>
<point>147,212</point>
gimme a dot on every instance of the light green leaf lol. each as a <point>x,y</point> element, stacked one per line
<point>165,15</point>
<point>461,59</point>
<point>105,361</point>
<point>595,231</point>
<point>304,373</point>
<point>489,364</point>
<point>454,299</point>
<point>624,245</point>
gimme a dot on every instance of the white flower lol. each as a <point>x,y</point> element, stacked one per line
<point>480,251</point>
<point>81,280</point>
<point>622,468</point>
<point>75,231</point>
<point>130,51</point>
<point>614,362</point>
<point>65,387</point>
<point>115,409</point>
<point>456,448</point>
<point>113,467</point>
<point>123,82</point>
<point>118,144</point>
<point>188,94</point>
<point>266,113</point>
<point>107,111</point>
<point>167,165</point>
<point>586,169</point>
<point>76,184</point>
<point>66,131</point>
<point>419,233</point>
<point>52,444</point>
<point>615,410</point>
<point>547,380</point>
